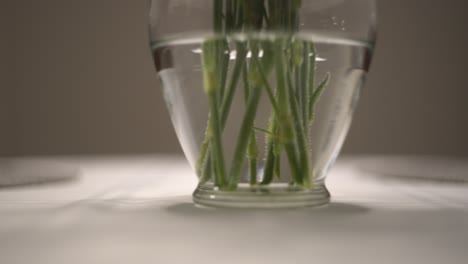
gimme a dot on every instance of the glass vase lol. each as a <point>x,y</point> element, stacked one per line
<point>261,92</point>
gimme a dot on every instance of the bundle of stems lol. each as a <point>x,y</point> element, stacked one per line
<point>293,64</point>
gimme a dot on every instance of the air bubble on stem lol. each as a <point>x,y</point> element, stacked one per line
<point>233,54</point>
<point>318,58</point>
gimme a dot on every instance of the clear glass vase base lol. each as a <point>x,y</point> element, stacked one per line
<point>274,196</point>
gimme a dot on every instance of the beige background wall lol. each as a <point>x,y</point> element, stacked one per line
<point>416,100</point>
<point>77,78</point>
<point>6,70</point>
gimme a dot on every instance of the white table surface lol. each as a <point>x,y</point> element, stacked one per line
<point>137,209</point>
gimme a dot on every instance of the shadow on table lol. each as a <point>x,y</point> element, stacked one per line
<point>416,169</point>
<point>333,209</point>
<point>32,172</point>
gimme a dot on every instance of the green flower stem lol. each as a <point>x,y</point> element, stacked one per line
<point>223,63</point>
<point>204,160</point>
<point>252,149</point>
<point>211,86</point>
<point>291,153</point>
<point>205,172</point>
<point>312,70</point>
<point>230,14</point>
<point>282,90</point>
<point>285,126</point>
<point>218,15</point>
<point>271,137</point>
<point>279,21</point>
<point>216,147</point>
<point>213,56</point>
<point>203,165</point>
<point>252,155</point>
<point>244,136</point>
<point>278,165</point>
<point>297,84</point>
<point>204,148</point>
<point>306,76</point>
<point>227,100</point>
<point>253,172</point>
<point>271,158</point>
<point>301,139</point>
<point>269,165</point>
<point>266,84</point>
<point>293,103</point>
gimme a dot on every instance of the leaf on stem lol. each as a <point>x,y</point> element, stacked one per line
<point>316,95</point>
